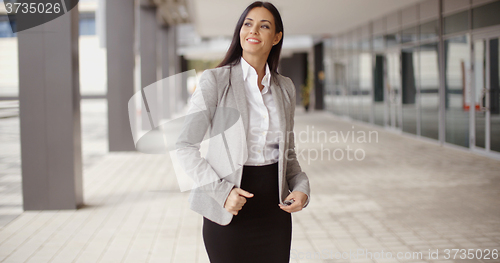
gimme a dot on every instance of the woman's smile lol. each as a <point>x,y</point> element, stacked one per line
<point>253,40</point>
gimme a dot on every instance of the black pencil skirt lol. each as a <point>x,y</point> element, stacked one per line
<point>261,231</point>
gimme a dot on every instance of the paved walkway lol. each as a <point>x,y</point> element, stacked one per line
<point>403,195</point>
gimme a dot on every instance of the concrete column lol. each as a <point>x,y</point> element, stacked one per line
<point>175,68</point>
<point>165,69</point>
<point>175,64</point>
<point>170,65</point>
<point>49,100</point>
<point>147,36</point>
<point>147,44</point>
<point>121,62</point>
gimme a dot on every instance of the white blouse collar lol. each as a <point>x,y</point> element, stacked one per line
<point>249,70</point>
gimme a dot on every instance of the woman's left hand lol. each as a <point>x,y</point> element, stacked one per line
<point>300,199</point>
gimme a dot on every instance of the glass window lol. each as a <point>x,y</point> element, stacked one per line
<point>428,83</point>
<point>378,81</point>
<point>479,86</point>
<point>457,65</point>
<point>409,68</point>
<point>354,103</point>
<point>483,98</point>
<point>378,43</point>
<point>378,90</point>
<point>6,27</point>
<point>409,34</point>
<point>495,95</point>
<point>335,50</point>
<point>9,70</point>
<point>328,82</point>
<point>486,15</point>
<point>392,39</point>
<point>393,87</point>
<point>339,75</point>
<point>87,23</point>
<point>87,26</point>
<point>429,30</point>
<point>365,45</point>
<point>456,23</point>
<point>365,80</point>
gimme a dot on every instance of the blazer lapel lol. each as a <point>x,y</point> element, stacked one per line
<point>277,92</point>
<point>238,88</point>
<point>280,107</point>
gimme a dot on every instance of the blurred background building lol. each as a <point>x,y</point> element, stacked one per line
<point>423,68</point>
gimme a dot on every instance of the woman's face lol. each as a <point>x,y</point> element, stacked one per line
<point>257,35</point>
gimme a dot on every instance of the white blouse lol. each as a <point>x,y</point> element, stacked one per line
<point>263,131</point>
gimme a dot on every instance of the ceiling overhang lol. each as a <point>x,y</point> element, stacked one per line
<point>314,17</point>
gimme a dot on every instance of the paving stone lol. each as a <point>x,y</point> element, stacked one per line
<point>404,196</point>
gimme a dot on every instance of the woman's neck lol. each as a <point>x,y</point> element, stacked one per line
<point>257,62</point>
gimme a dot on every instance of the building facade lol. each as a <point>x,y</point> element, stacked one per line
<point>430,70</point>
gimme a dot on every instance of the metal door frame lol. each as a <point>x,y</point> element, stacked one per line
<point>484,34</point>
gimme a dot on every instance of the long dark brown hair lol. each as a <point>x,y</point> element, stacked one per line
<point>235,51</point>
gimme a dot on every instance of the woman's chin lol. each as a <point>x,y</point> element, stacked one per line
<point>253,51</point>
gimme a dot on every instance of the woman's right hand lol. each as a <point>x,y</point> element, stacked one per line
<point>236,200</point>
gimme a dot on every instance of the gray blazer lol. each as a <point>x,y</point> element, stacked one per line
<point>222,109</point>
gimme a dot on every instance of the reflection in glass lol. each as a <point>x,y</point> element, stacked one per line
<point>365,81</point>
<point>353,71</point>
<point>429,30</point>
<point>409,34</point>
<point>378,43</point>
<point>479,87</point>
<point>457,65</point>
<point>6,27</point>
<point>429,91</point>
<point>344,97</point>
<point>487,93</point>
<point>378,90</point>
<point>328,51</point>
<point>393,88</point>
<point>495,95</point>
<point>409,60</point>
<point>486,15</point>
<point>456,23</point>
<point>392,39</point>
<point>339,88</point>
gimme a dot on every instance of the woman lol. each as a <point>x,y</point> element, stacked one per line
<point>244,195</point>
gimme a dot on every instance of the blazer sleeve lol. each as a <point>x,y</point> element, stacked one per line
<point>297,179</point>
<point>196,123</point>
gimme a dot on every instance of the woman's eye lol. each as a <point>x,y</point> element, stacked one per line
<point>266,26</point>
<point>247,24</point>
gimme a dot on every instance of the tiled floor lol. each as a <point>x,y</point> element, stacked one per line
<point>401,195</point>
